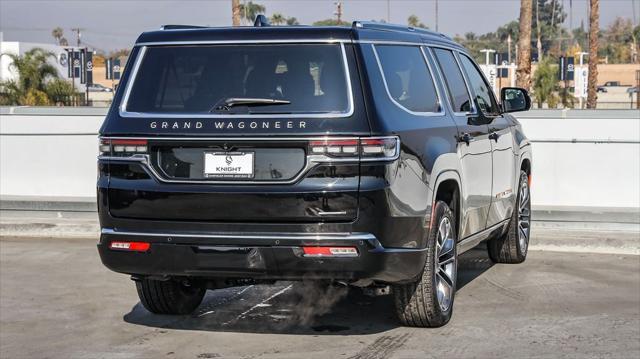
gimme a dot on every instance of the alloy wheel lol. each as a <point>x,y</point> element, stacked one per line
<point>445,264</point>
<point>524,217</point>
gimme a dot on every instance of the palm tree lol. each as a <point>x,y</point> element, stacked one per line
<point>57,34</point>
<point>277,19</point>
<point>523,73</point>
<point>35,81</point>
<point>235,12</point>
<point>33,68</point>
<point>594,29</point>
<point>249,11</point>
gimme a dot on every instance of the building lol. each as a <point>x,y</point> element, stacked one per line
<point>19,48</point>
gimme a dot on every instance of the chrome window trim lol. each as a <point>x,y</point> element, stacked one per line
<point>125,99</point>
<point>241,42</point>
<point>384,80</point>
<point>311,161</point>
<point>474,110</point>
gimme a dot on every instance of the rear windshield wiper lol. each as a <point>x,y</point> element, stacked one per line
<point>226,103</point>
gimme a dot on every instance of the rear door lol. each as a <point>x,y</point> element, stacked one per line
<point>207,158</point>
<point>474,148</point>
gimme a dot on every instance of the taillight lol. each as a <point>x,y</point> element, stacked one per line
<point>330,251</point>
<point>368,149</point>
<point>130,246</point>
<point>122,147</point>
<point>379,147</point>
<point>334,147</point>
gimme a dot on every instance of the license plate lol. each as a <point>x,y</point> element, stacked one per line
<point>228,164</point>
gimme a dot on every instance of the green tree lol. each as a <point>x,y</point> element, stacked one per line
<point>59,92</point>
<point>36,80</point>
<point>414,22</point>
<point>331,22</point>
<point>545,83</point>
<point>618,37</point>
<point>291,21</point>
<point>549,15</point>
<point>249,11</point>
<point>277,19</point>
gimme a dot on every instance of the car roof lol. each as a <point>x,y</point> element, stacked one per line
<point>360,31</point>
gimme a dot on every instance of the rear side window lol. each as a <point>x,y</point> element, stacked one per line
<point>481,88</point>
<point>192,79</point>
<point>456,87</point>
<point>408,78</point>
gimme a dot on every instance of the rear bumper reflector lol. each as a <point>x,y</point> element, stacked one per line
<point>130,246</point>
<point>330,251</point>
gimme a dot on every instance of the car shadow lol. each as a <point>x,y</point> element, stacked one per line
<point>297,307</point>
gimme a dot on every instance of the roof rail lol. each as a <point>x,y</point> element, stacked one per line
<point>181,27</point>
<point>393,27</point>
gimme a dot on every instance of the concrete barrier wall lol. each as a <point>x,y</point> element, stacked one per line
<point>581,158</point>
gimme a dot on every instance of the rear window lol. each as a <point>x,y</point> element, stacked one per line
<point>408,78</point>
<point>193,79</point>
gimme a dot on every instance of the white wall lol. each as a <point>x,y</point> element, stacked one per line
<point>52,153</point>
<point>48,155</point>
<point>584,173</point>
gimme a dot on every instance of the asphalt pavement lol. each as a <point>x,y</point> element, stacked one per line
<point>58,301</point>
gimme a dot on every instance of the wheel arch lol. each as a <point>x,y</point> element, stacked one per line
<point>447,188</point>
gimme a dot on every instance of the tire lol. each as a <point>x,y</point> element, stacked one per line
<point>428,302</point>
<point>512,246</point>
<point>169,296</point>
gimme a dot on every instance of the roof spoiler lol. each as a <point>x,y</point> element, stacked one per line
<point>261,21</point>
<point>181,27</point>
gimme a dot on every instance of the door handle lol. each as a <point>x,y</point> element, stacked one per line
<point>466,138</point>
<point>494,136</point>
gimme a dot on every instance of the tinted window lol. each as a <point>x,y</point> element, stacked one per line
<point>192,79</point>
<point>482,90</point>
<point>408,78</point>
<point>456,86</point>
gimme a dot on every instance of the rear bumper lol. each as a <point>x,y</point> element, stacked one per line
<point>269,256</point>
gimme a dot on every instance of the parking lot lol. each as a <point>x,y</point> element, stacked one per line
<point>58,301</point>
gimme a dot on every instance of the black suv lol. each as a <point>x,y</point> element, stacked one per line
<point>371,155</point>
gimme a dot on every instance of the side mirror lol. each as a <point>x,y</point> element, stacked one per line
<point>514,99</point>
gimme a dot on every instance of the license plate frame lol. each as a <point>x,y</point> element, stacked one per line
<point>229,165</point>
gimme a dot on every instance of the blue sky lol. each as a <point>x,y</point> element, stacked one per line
<point>115,24</point>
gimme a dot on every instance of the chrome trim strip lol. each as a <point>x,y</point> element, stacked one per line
<point>475,239</point>
<point>335,213</point>
<point>312,161</point>
<point>233,42</point>
<point>125,99</point>
<point>134,73</point>
<point>357,236</point>
<point>384,80</point>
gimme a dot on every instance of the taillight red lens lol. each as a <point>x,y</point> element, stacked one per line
<point>130,246</point>
<point>123,146</point>
<point>330,251</point>
<point>334,147</point>
<point>385,147</point>
<point>382,148</point>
